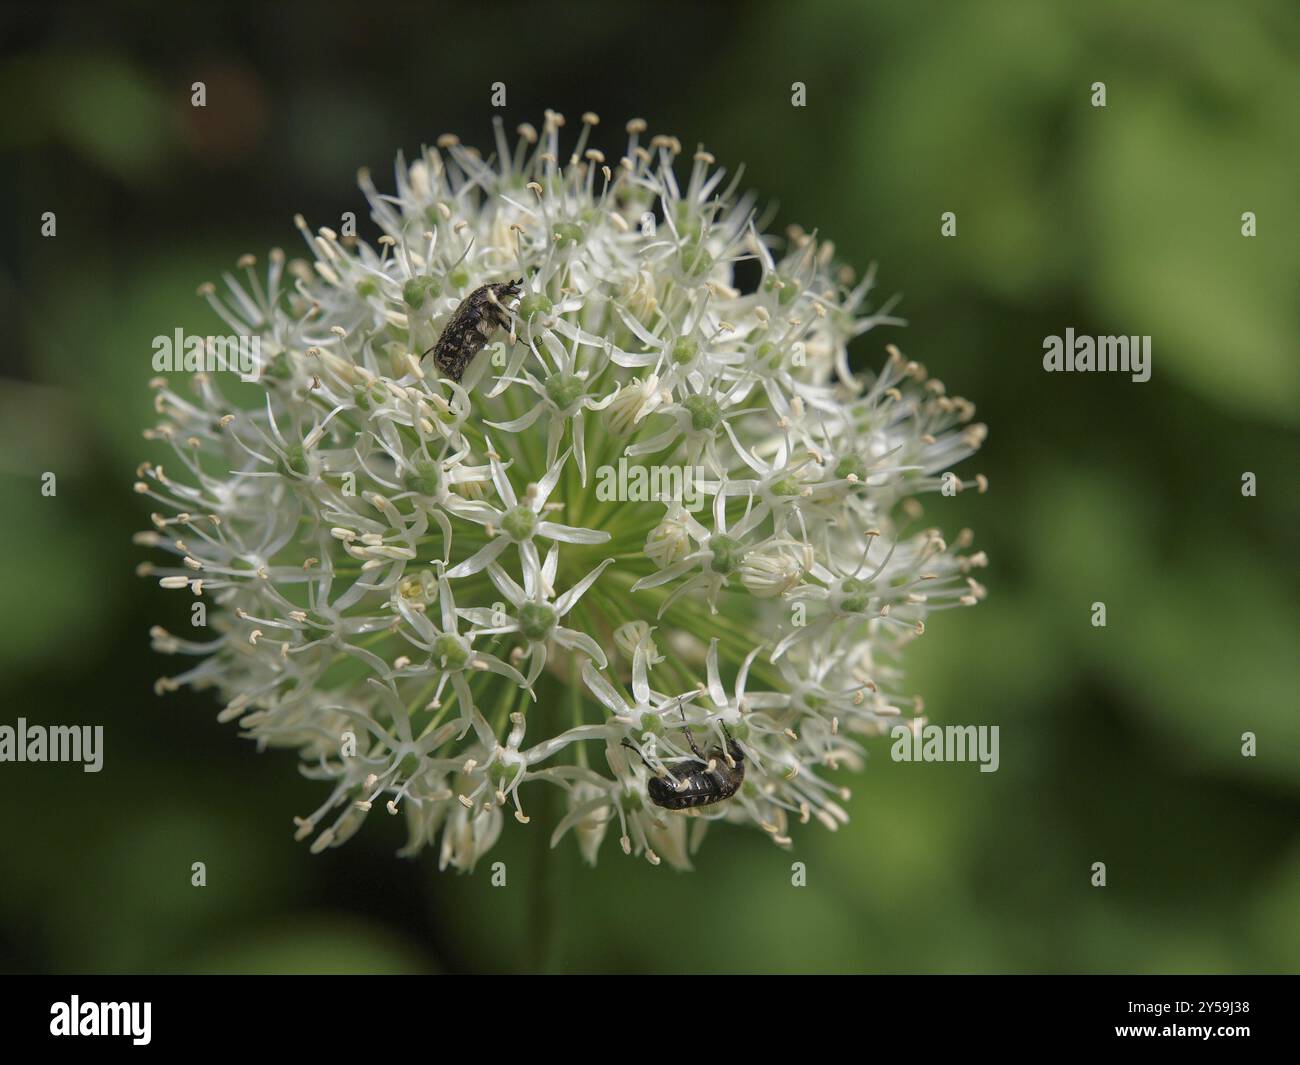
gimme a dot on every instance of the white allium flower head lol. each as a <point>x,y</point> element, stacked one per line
<point>414,582</point>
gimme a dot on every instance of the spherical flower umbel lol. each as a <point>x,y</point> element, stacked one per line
<point>414,582</point>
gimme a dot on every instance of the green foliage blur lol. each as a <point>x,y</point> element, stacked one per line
<point>1120,744</point>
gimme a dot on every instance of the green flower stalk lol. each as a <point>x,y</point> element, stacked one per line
<point>413,580</point>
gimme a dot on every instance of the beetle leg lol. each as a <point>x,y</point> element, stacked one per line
<point>691,740</point>
<point>726,750</point>
<point>630,747</point>
<point>687,732</point>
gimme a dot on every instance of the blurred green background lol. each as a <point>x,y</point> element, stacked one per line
<point>1120,744</point>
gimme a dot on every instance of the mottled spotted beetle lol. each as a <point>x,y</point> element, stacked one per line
<point>472,324</point>
<point>701,782</point>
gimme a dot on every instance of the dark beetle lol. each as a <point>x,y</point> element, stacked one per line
<point>479,315</point>
<point>697,784</point>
